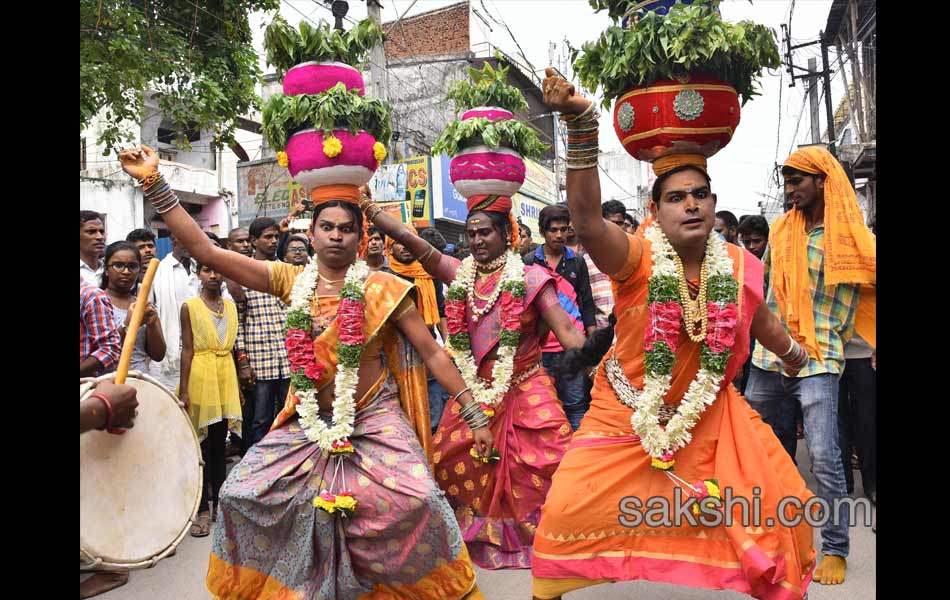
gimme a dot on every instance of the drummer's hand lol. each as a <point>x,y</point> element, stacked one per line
<point>484,442</point>
<point>561,96</point>
<point>139,162</point>
<point>183,396</point>
<point>123,400</point>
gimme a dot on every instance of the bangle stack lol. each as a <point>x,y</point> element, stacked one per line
<point>473,414</point>
<point>796,357</point>
<point>159,193</point>
<point>582,139</point>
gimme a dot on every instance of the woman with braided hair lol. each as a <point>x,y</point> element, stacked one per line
<point>497,311</point>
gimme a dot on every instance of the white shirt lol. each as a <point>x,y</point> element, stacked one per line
<point>90,276</point>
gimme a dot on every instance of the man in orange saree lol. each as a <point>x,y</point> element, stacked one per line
<point>608,514</point>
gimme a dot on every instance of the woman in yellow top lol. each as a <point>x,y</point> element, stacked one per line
<point>209,385</point>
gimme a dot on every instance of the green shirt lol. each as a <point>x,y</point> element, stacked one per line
<point>833,307</point>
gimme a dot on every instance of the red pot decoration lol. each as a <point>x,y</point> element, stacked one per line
<point>315,78</point>
<point>671,117</point>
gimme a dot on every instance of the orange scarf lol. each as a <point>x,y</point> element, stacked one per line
<point>850,252</point>
<point>425,287</point>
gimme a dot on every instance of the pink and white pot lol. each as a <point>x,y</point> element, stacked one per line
<point>483,170</point>
<point>311,167</point>
<point>492,113</point>
<point>316,78</point>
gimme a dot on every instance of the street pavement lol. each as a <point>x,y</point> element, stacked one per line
<point>181,577</point>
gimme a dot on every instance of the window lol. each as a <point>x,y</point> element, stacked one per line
<point>167,132</point>
<point>82,154</point>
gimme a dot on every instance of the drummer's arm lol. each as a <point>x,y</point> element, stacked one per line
<point>92,414</point>
<point>187,353</point>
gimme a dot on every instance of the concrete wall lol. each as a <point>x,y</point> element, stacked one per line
<point>121,202</point>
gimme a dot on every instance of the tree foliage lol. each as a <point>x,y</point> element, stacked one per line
<point>197,57</point>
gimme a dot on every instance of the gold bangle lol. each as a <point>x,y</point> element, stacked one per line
<point>151,177</point>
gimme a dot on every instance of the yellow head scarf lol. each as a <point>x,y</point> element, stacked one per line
<point>850,252</point>
<point>425,287</point>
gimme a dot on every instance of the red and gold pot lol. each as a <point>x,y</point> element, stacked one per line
<point>672,117</point>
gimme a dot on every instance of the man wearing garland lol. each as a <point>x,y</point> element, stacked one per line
<point>686,304</point>
<point>497,309</point>
<point>290,525</point>
<point>820,254</point>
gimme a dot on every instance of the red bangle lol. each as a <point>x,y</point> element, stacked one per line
<point>109,428</point>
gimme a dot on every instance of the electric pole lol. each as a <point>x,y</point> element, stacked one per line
<point>377,57</point>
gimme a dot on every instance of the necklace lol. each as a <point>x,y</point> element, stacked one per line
<point>720,314</point>
<point>494,265</point>
<point>322,278</point>
<point>490,296</point>
<point>217,308</point>
<point>694,311</point>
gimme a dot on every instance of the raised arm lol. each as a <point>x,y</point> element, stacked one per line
<point>606,243</point>
<point>420,249</point>
<point>141,163</point>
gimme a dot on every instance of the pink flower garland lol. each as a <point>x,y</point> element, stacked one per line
<point>721,326</point>
<point>665,319</point>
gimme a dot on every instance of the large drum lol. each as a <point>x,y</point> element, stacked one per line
<point>138,492</point>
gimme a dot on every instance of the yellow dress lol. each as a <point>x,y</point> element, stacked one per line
<point>213,383</point>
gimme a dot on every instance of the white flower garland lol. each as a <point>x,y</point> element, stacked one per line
<point>503,369</point>
<point>346,379</point>
<point>658,441</point>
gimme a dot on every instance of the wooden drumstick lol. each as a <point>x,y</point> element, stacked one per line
<point>141,303</point>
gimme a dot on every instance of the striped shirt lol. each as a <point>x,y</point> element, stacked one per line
<point>602,291</point>
<point>98,334</point>
<point>834,309</point>
<point>260,334</point>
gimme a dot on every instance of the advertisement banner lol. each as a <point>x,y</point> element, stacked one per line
<point>539,182</point>
<point>527,211</point>
<point>449,204</point>
<point>388,183</point>
<point>418,190</point>
<point>265,189</point>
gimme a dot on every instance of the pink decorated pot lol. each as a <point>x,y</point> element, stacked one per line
<point>315,78</point>
<point>311,167</point>
<point>482,170</point>
<point>492,113</point>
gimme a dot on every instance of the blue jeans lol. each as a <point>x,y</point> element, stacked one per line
<point>268,397</point>
<point>775,397</point>
<point>573,392</point>
<point>438,397</point>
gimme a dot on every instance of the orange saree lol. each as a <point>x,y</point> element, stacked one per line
<point>581,540</point>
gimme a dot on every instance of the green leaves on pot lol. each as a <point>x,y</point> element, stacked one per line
<point>488,87</point>
<point>336,108</point>
<point>691,39</point>
<point>616,9</point>
<point>286,46</point>
<point>479,130</point>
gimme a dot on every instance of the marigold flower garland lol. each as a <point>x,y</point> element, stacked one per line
<point>660,343</point>
<point>511,292</point>
<point>306,371</point>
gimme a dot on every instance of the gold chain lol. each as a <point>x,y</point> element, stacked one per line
<point>693,311</point>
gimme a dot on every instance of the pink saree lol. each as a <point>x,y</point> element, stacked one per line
<point>498,504</point>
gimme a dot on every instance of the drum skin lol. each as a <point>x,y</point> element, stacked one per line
<point>138,492</point>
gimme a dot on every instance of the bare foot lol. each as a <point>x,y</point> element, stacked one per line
<point>831,570</point>
<point>102,582</point>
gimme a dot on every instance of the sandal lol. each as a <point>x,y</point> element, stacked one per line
<point>201,526</point>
